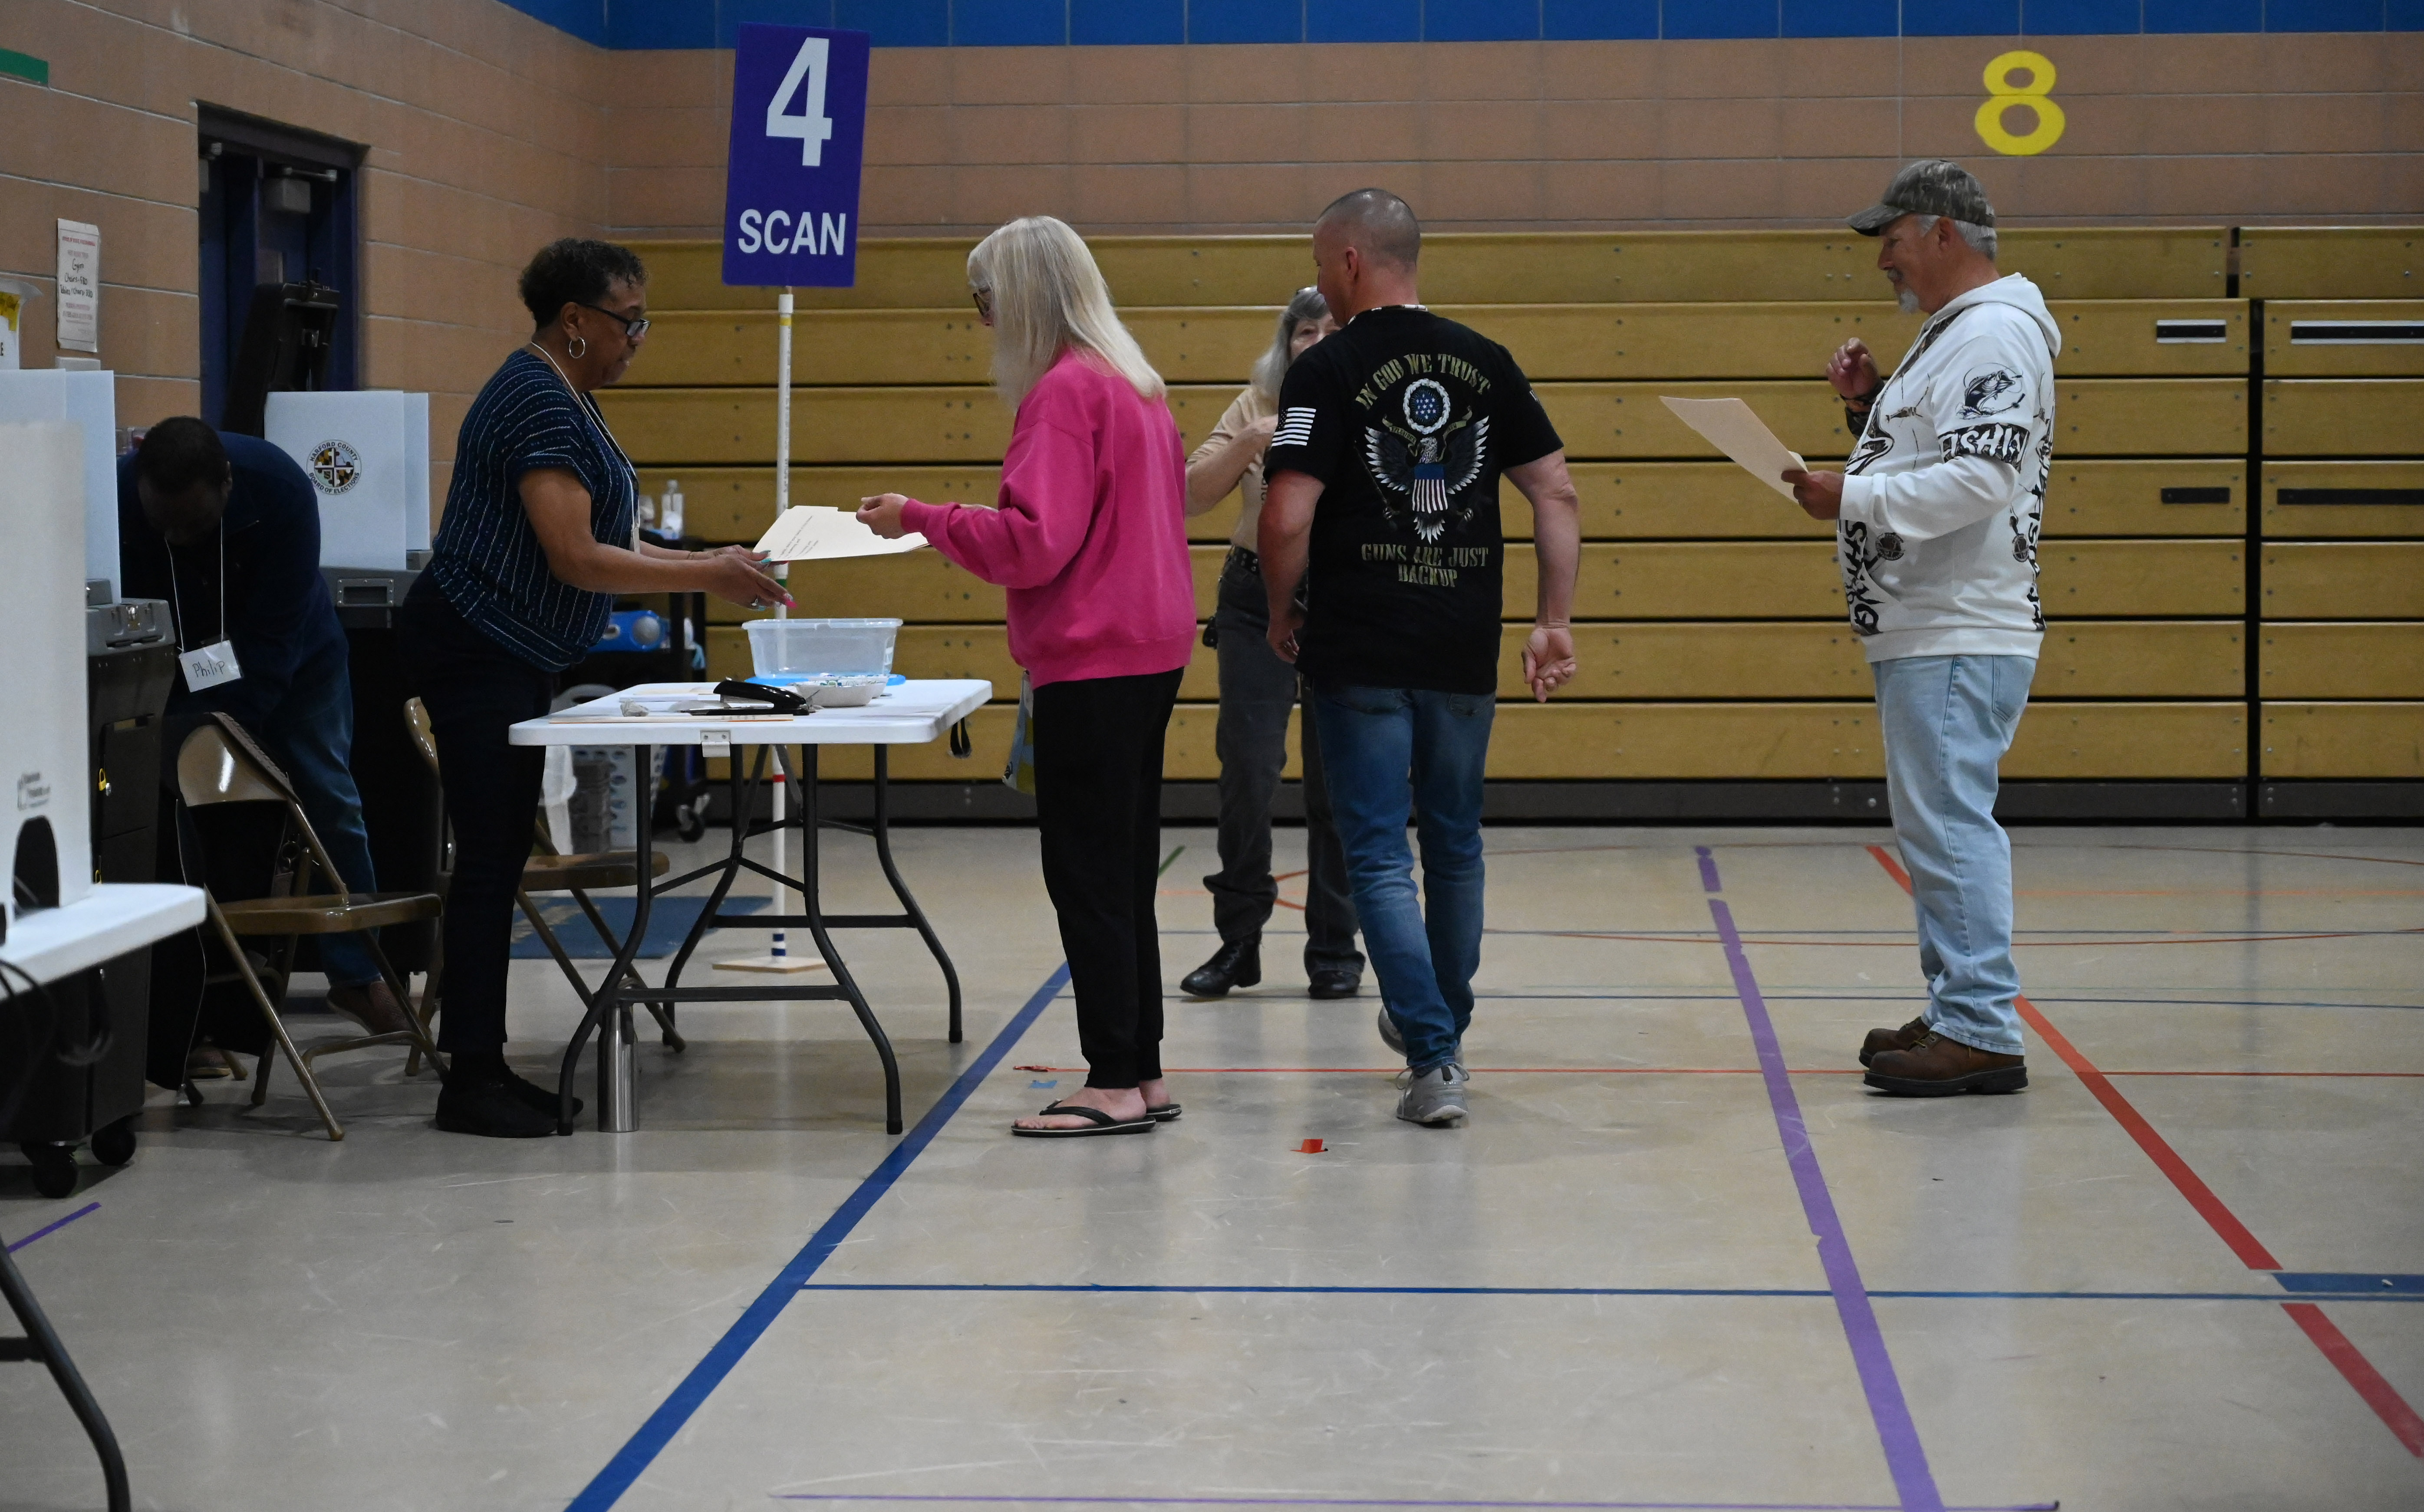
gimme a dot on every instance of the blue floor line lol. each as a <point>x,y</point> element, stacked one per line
<point>52,1227</point>
<point>667,1419</point>
<point>2361,1288</point>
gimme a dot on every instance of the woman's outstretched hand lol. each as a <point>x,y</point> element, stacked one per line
<point>882,514</point>
<point>739,576</point>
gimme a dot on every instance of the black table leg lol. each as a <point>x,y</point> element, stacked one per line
<point>806,781</point>
<point>901,889</point>
<point>43,1342</point>
<point>611,998</point>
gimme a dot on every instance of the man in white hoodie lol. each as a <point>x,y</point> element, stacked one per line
<point>1937,516</point>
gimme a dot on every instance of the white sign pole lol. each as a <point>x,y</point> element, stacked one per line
<point>779,956</point>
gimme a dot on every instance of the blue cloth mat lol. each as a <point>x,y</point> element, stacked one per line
<point>669,922</point>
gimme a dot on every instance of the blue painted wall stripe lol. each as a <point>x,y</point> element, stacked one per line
<point>683,23</point>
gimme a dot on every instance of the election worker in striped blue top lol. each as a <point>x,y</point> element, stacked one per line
<point>541,532</point>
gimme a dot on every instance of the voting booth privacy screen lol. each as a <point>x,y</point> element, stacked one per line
<point>799,132</point>
<point>88,401</point>
<point>45,756</point>
<point>367,455</point>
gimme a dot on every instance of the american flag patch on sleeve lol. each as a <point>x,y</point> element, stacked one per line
<point>1296,429</point>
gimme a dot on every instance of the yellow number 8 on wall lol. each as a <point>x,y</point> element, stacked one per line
<point>2001,95</point>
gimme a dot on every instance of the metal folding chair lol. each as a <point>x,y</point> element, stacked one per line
<point>220,764</point>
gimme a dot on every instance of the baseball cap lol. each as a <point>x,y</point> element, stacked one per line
<point>1933,187</point>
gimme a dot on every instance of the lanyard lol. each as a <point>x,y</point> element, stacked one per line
<point>177,601</point>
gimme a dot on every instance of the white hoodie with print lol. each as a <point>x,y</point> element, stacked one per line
<point>1945,491</point>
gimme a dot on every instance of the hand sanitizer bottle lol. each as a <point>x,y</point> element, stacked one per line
<point>669,511</point>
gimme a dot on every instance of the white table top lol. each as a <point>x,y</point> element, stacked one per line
<point>105,923</point>
<point>908,713</point>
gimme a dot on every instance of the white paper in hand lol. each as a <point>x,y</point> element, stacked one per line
<point>808,533</point>
<point>1730,426</point>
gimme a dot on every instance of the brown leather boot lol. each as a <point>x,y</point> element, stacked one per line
<point>1938,1067</point>
<point>1881,1040</point>
<point>372,1007</point>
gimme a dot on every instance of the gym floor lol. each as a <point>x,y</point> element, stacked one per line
<point>2181,1270</point>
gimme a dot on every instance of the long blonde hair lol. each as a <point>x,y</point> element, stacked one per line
<point>1047,297</point>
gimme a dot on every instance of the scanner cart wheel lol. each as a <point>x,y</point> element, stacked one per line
<point>54,1168</point>
<point>113,1144</point>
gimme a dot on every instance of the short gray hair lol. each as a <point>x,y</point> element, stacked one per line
<point>1272,365</point>
<point>1981,238</point>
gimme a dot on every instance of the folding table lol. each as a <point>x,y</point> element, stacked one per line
<point>908,713</point>
<point>48,945</point>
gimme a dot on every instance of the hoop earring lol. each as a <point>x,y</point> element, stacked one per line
<point>577,348</point>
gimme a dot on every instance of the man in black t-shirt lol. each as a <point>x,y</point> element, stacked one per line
<point>1384,558</point>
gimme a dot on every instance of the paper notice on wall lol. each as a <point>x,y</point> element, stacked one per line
<point>79,287</point>
<point>808,533</point>
<point>1730,426</point>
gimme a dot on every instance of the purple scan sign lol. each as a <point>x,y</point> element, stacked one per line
<point>799,134</point>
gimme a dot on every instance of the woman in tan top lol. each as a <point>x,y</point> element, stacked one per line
<point>1257,691</point>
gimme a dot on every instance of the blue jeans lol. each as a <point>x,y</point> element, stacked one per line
<point>1390,751</point>
<point>1947,719</point>
<point>311,735</point>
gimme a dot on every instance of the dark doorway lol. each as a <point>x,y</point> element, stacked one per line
<point>277,206</point>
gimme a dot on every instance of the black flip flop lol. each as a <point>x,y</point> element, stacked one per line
<point>1166,1113</point>
<point>1102,1124</point>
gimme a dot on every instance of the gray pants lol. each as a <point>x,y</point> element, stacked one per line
<point>1257,690</point>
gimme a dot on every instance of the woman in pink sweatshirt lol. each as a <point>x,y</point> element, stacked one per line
<point>1090,538</point>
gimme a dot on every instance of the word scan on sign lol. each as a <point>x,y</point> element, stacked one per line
<point>799,136</point>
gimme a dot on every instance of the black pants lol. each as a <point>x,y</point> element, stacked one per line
<point>1098,803</point>
<point>1257,690</point>
<point>474,689</point>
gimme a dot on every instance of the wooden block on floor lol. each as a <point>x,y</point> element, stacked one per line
<point>2343,337</point>
<point>2365,499</point>
<point>2343,740</point>
<point>2343,416</point>
<point>2350,580</point>
<point>2357,659</point>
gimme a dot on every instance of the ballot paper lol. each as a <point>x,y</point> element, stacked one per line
<point>807,533</point>
<point>1728,425</point>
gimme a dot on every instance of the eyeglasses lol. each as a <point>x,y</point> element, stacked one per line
<point>633,329</point>
<point>983,298</point>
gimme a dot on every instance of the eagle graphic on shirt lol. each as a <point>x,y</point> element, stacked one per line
<point>1430,461</point>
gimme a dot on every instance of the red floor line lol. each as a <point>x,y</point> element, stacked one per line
<point>2377,1392</point>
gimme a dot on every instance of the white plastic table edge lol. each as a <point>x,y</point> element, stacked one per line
<point>108,922</point>
<point>903,717</point>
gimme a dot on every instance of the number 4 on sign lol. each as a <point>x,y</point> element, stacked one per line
<point>811,126</point>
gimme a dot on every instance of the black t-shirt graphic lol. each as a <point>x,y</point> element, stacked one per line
<point>1407,420</point>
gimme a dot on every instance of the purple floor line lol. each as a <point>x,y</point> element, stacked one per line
<point>53,1228</point>
<point>1906,1457</point>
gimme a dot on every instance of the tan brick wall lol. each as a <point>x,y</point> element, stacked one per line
<point>487,133</point>
<point>1512,136</point>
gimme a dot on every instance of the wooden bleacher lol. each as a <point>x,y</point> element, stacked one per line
<point>1710,618</point>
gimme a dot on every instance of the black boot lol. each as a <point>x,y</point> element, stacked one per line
<point>1236,963</point>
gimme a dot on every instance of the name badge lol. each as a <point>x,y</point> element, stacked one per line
<point>210,666</point>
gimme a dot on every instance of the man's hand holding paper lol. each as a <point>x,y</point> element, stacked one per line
<point>1731,427</point>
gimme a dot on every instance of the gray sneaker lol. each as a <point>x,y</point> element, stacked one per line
<point>1389,1035</point>
<point>1434,1097</point>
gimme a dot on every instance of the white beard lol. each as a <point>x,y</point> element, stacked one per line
<point>1908,300</point>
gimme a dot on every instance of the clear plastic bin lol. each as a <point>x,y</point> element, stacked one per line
<point>835,647</point>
